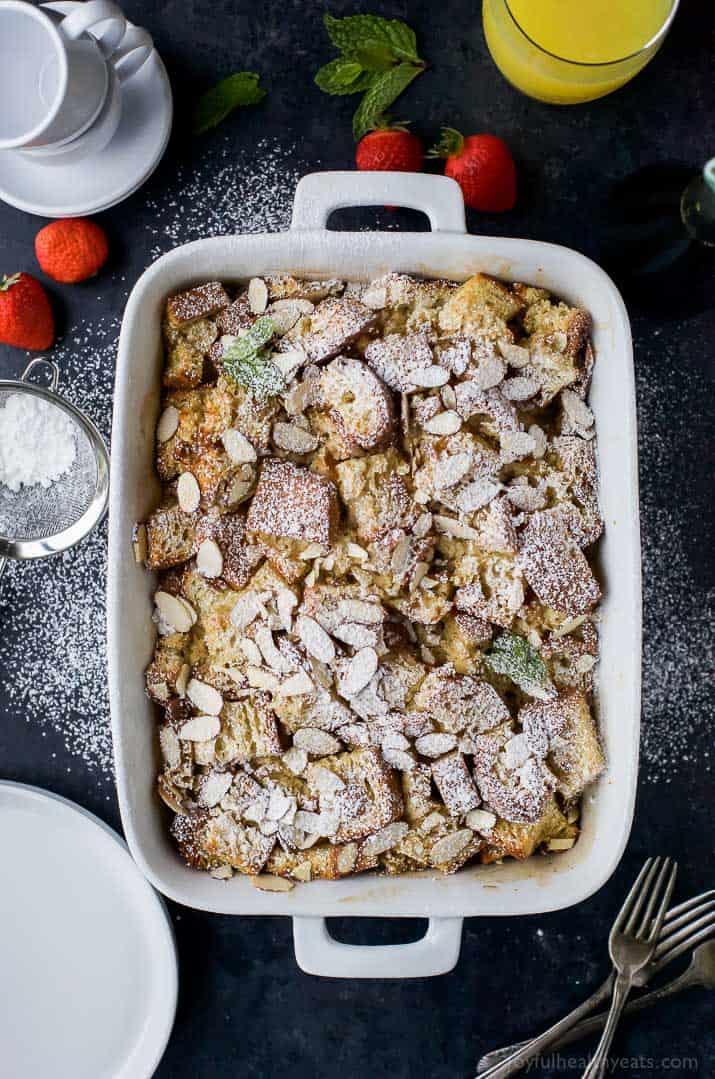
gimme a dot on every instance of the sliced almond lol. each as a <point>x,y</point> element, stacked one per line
<point>238,447</point>
<point>205,697</point>
<point>515,355</point>
<point>200,728</point>
<point>435,745</point>
<point>323,824</point>
<point>285,313</point>
<point>313,550</point>
<point>293,439</point>
<point>289,362</point>
<point>519,388</point>
<point>347,858</point>
<point>272,656</point>
<point>209,560</point>
<point>238,491</point>
<point>578,412</point>
<point>429,377</point>
<point>399,759</point>
<point>257,295</point>
<point>251,651</point>
<point>286,601</point>
<point>540,441</point>
<point>356,635</point>
<point>480,820</point>
<point>245,610</point>
<point>448,848</point>
<point>182,679</point>
<point>170,747</point>
<point>422,525</point>
<point>374,297</point>
<point>316,742</point>
<point>384,840</point>
<point>359,610</point>
<point>561,844</point>
<point>170,796</point>
<point>450,470</point>
<point>173,612</point>
<point>314,639</point>
<point>295,686</point>
<point>266,883</point>
<point>359,672</point>
<point>357,552</point>
<point>296,760</point>
<point>168,423</point>
<point>476,494</point>
<point>451,527</point>
<point>444,423</point>
<point>139,543</point>
<point>214,787</point>
<point>260,678</point>
<point>400,559</point>
<point>188,492</point>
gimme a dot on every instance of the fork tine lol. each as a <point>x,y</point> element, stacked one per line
<point>653,897</point>
<point>666,946</point>
<point>634,908</point>
<point>671,927</point>
<point>685,946</point>
<point>688,904</point>
<point>628,901</point>
<point>653,932</point>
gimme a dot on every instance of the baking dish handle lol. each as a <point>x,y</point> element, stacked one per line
<point>319,193</point>
<point>437,952</point>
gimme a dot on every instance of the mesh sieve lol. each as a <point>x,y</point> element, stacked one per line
<point>38,521</point>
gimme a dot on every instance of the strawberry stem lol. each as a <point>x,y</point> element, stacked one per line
<point>7,282</point>
<point>451,144</point>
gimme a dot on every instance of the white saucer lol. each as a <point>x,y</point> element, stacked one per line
<point>88,972</point>
<point>95,183</point>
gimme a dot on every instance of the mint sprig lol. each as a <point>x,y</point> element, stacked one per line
<point>513,656</point>
<point>247,361</point>
<point>242,88</point>
<point>378,58</point>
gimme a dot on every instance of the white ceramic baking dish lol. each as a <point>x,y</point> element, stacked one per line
<point>310,249</point>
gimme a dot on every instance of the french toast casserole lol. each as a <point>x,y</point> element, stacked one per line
<point>375,606</point>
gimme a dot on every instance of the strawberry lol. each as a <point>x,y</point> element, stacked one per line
<point>26,319</point>
<point>71,250</point>
<point>482,166</point>
<point>390,149</point>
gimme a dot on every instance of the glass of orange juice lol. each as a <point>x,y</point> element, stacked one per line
<point>567,51</point>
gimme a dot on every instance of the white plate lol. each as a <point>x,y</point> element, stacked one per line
<point>96,183</point>
<point>88,973</point>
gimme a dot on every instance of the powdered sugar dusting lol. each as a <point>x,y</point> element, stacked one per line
<point>53,640</point>
<point>678,642</point>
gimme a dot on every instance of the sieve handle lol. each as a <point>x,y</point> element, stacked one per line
<point>25,376</point>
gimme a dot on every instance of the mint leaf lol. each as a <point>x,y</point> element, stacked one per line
<point>366,31</point>
<point>375,57</point>
<point>215,105</point>
<point>385,88</point>
<point>247,361</point>
<point>343,76</point>
<point>515,657</point>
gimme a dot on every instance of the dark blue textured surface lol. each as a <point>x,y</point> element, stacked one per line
<point>245,1010</point>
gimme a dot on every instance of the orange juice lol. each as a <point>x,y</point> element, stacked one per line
<point>566,51</point>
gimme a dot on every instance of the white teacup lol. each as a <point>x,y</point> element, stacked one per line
<point>54,77</point>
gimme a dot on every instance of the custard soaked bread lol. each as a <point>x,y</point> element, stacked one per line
<point>376,603</point>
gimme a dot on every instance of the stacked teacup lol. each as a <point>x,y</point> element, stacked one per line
<point>61,76</point>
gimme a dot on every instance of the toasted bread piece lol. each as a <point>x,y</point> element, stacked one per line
<point>357,402</point>
<point>481,305</point>
<point>228,532</point>
<point>375,491</point>
<point>396,358</point>
<point>227,840</point>
<point>509,839</point>
<point>555,567</point>
<point>438,841</point>
<point>325,861</point>
<point>184,365</point>
<point>251,725</point>
<point>196,303</point>
<point>334,324</point>
<point>189,832</point>
<point>168,661</point>
<point>286,287</point>
<point>370,798</point>
<point>460,702</point>
<point>455,784</point>
<point>564,731</point>
<point>576,460</point>
<point>236,317</point>
<point>171,537</point>
<point>294,502</point>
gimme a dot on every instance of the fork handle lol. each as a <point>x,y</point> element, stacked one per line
<point>599,1061</point>
<point>522,1054</point>
<point>595,1022</point>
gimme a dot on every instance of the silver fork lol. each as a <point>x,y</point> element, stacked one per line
<point>632,943</point>
<point>685,926</point>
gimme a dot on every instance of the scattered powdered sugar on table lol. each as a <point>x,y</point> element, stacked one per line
<point>52,612</point>
<point>679,611</point>
<point>37,442</point>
